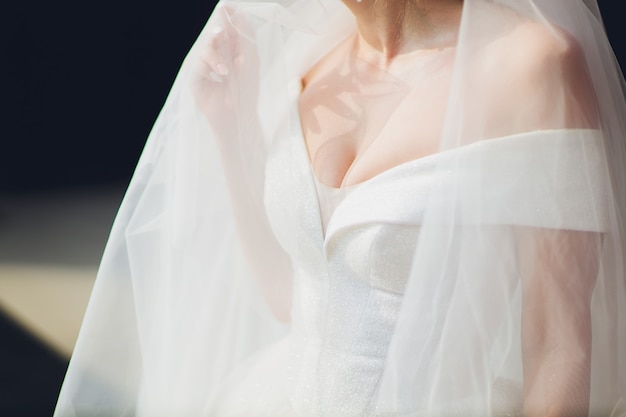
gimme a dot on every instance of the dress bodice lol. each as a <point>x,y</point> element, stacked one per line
<point>350,270</point>
<point>354,249</point>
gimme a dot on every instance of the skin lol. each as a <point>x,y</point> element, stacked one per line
<point>227,52</point>
<point>387,29</point>
<point>559,269</point>
<point>392,38</point>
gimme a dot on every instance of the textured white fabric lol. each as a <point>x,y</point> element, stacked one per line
<point>481,280</point>
<point>349,289</point>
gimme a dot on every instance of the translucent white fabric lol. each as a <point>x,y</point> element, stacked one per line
<point>484,279</point>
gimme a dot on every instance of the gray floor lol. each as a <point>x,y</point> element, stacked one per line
<point>50,247</point>
<point>66,227</point>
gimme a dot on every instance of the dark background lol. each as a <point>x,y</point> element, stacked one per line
<point>82,83</point>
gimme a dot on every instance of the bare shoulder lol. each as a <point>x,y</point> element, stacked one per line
<point>537,76</point>
<point>535,49</point>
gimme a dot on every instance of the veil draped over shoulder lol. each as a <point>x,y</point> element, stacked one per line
<point>517,284</point>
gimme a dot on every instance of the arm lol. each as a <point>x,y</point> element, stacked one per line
<point>558,271</point>
<point>228,101</point>
<point>543,83</point>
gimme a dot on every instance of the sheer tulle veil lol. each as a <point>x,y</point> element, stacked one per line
<point>522,243</point>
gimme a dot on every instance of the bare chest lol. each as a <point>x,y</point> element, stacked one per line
<point>356,126</point>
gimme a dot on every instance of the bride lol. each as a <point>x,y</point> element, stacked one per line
<point>372,208</point>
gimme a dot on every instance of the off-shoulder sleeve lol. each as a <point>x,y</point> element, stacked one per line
<point>549,179</point>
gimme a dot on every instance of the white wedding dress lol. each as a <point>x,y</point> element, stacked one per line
<point>418,292</point>
<point>356,252</point>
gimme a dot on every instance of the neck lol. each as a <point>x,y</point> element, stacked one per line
<point>389,28</point>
